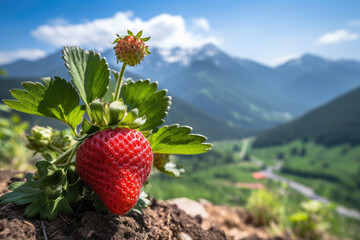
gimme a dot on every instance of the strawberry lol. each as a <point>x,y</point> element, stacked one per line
<point>115,163</point>
<point>131,49</point>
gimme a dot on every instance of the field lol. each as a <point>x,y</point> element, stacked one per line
<point>332,172</point>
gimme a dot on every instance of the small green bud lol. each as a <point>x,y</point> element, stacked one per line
<point>62,140</point>
<point>40,139</point>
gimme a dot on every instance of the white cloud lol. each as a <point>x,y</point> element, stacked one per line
<point>166,31</point>
<point>283,59</point>
<point>337,36</point>
<point>355,23</point>
<point>201,23</point>
<point>28,54</point>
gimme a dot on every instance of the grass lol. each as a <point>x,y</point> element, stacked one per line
<point>229,147</point>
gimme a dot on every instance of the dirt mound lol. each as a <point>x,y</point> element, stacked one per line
<point>160,221</point>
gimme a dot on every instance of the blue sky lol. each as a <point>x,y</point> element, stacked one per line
<point>266,31</point>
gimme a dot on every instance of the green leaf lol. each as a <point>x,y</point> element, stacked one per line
<point>90,73</point>
<point>138,122</point>
<point>54,207</point>
<point>54,179</point>
<point>130,117</point>
<point>151,103</point>
<point>29,177</point>
<point>24,194</point>
<point>53,192</point>
<point>130,33</point>
<point>117,111</point>
<point>143,202</point>
<point>88,128</point>
<point>138,35</point>
<point>146,133</point>
<point>99,112</point>
<point>45,168</point>
<point>177,139</point>
<point>145,39</point>
<point>76,187</point>
<point>34,208</point>
<point>60,190</point>
<point>55,98</point>
<point>163,164</point>
<point>15,185</point>
<point>116,40</point>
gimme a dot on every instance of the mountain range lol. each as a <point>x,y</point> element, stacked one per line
<point>235,93</point>
<point>334,123</point>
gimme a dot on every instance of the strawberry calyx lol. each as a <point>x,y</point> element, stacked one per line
<point>106,114</point>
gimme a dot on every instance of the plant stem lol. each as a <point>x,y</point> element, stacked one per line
<point>74,130</point>
<point>119,82</point>
<point>52,147</point>
<point>63,156</point>
<point>72,154</point>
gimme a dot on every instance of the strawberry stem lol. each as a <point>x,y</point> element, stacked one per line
<point>52,147</point>
<point>63,157</point>
<point>69,160</point>
<point>119,82</point>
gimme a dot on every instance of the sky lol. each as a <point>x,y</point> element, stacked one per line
<point>268,31</point>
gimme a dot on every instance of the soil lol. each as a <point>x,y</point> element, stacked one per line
<point>160,221</point>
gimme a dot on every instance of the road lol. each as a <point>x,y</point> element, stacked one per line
<point>307,191</point>
<point>301,188</point>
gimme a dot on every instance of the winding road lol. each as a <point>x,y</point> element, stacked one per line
<point>301,188</point>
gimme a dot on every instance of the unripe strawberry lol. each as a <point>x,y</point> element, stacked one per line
<point>131,49</point>
<point>115,163</point>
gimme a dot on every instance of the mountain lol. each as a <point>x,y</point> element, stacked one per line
<point>213,128</point>
<point>156,67</point>
<point>239,91</point>
<point>220,94</point>
<point>181,112</point>
<point>49,66</point>
<point>314,80</point>
<point>332,124</point>
<point>161,64</point>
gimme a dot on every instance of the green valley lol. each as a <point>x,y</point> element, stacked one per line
<point>332,172</point>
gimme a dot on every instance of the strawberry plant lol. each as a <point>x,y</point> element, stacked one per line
<point>116,135</point>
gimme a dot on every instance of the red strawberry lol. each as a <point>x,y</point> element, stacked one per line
<point>115,163</point>
<point>131,50</point>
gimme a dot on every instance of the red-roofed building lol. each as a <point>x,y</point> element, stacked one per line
<point>258,175</point>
